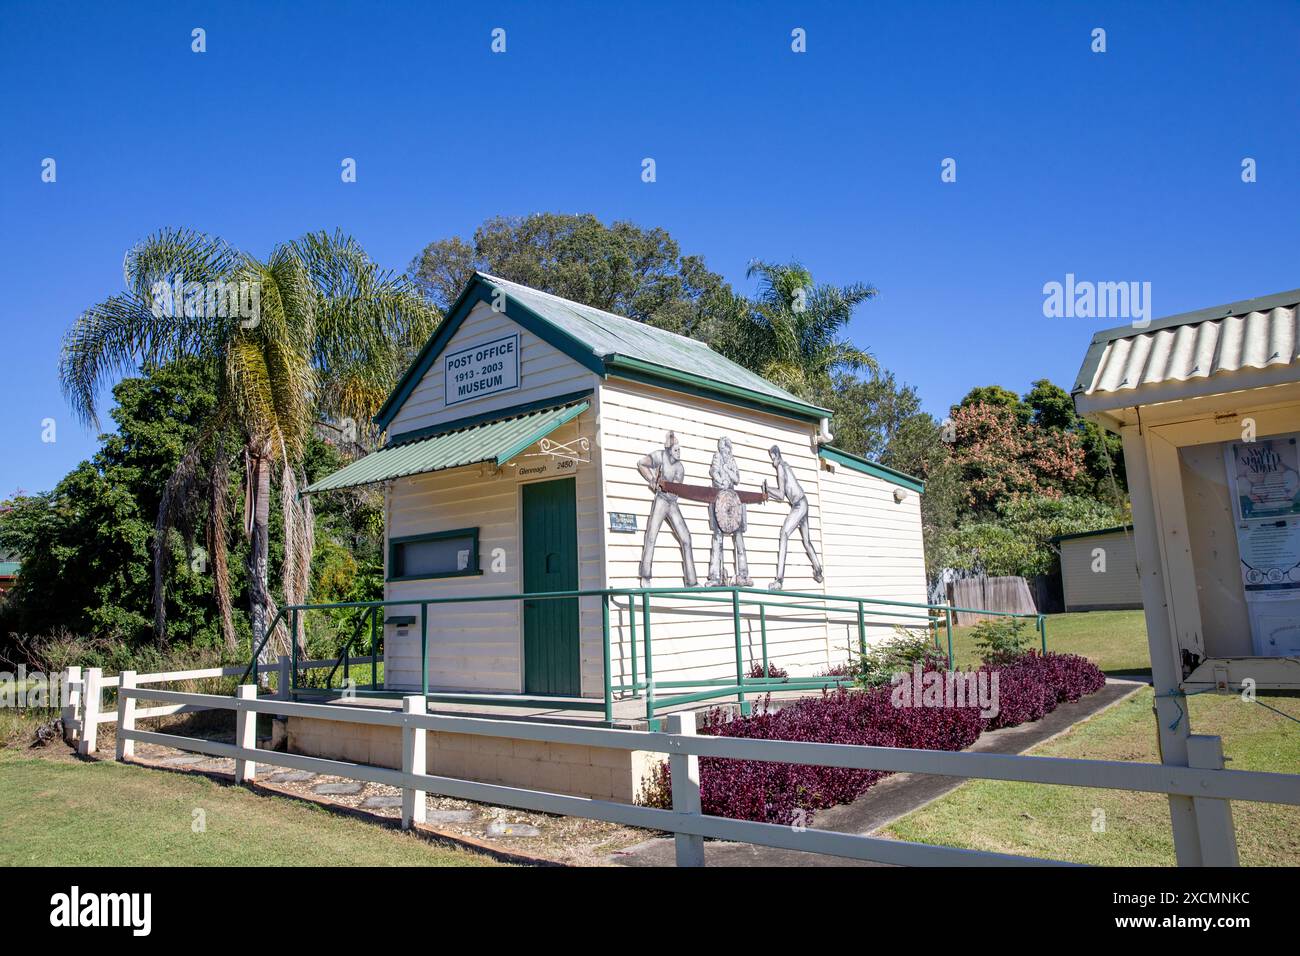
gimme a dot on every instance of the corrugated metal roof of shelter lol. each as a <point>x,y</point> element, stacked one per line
<point>1257,333</point>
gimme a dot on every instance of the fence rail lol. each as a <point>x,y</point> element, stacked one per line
<point>1206,780</point>
<point>84,711</point>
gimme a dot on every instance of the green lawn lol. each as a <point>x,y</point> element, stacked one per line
<point>1057,822</point>
<point>1116,641</point>
<point>66,812</point>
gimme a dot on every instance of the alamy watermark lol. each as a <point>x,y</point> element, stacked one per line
<point>35,690</point>
<point>923,688</point>
<point>220,299</point>
<point>1083,299</point>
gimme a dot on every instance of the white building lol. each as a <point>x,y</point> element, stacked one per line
<point>518,449</point>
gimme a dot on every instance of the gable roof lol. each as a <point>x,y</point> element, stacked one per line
<point>607,344</point>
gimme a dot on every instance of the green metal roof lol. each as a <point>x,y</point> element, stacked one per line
<point>497,441</point>
<point>608,344</point>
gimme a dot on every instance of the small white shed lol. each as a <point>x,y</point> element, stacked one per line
<point>1099,570</point>
<point>538,445</point>
<point>1208,405</point>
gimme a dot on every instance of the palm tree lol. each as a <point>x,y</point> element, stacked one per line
<point>791,332</point>
<point>315,330</point>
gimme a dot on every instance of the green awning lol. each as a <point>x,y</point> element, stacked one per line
<point>497,442</point>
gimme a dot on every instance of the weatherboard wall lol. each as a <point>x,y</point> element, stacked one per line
<point>1106,580</point>
<point>692,639</point>
<point>544,372</point>
<point>478,646</point>
<point>873,548</point>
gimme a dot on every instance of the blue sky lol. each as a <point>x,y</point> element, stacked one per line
<point>1120,166</point>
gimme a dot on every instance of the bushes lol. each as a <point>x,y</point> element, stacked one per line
<point>878,664</point>
<point>1001,640</point>
<point>756,671</point>
<point>1027,688</point>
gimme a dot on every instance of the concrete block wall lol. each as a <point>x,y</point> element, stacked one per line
<point>599,772</point>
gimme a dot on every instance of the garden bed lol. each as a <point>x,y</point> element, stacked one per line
<point>941,717</point>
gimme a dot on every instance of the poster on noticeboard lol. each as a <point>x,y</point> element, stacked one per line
<point>1265,478</point>
<point>1264,484</point>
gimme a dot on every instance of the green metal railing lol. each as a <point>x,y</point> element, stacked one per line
<point>739,604</point>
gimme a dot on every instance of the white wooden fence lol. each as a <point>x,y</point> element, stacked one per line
<point>1205,780</point>
<point>84,711</point>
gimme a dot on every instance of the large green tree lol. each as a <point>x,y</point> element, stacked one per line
<point>621,268</point>
<point>314,329</point>
<point>86,546</point>
<point>880,419</point>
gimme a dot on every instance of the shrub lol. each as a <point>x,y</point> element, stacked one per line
<point>756,670</point>
<point>1033,684</point>
<point>1028,688</point>
<point>1002,639</point>
<point>897,653</point>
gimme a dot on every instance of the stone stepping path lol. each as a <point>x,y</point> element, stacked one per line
<point>183,760</point>
<point>292,776</point>
<point>448,816</point>
<point>346,789</point>
<point>499,828</point>
<point>358,794</point>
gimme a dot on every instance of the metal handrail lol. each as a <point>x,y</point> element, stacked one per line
<point>737,598</point>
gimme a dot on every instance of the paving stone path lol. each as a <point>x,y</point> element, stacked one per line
<point>291,776</point>
<point>339,789</point>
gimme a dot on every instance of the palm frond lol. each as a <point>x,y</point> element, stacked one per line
<point>114,338</point>
<point>173,254</point>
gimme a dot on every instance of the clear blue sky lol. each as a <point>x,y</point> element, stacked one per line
<point>1122,166</point>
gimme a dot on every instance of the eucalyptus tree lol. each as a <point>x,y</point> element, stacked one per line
<point>315,330</point>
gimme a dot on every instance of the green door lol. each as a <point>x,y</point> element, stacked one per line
<point>550,545</point>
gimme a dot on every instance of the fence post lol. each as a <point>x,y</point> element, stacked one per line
<point>685,772</point>
<point>125,717</point>
<point>246,733</point>
<point>607,664</point>
<point>740,662</point>
<point>952,663</point>
<point>282,682</point>
<point>71,701</point>
<point>1213,816</point>
<point>91,699</point>
<point>414,756</point>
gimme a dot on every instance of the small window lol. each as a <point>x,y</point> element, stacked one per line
<point>443,554</point>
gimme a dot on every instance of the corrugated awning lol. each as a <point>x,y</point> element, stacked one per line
<point>497,442</point>
<point>1257,334</point>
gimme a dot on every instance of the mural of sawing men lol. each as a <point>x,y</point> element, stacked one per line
<point>665,474</point>
<point>657,468</point>
<point>789,490</point>
<point>727,517</point>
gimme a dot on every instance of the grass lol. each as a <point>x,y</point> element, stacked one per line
<point>1057,822</point>
<point>68,812</point>
<point>1116,641</point>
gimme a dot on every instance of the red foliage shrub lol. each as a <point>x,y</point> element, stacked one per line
<point>774,792</point>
